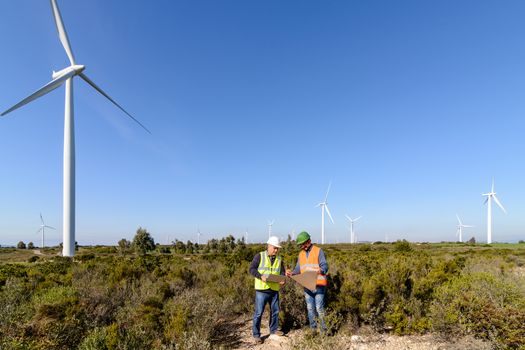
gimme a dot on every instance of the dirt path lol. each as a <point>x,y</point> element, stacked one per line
<point>363,340</point>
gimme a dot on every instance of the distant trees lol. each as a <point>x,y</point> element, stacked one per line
<point>21,245</point>
<point>402,246</point>
<point>189,247</point>
<point>164,250</point>
<point>61,246</point>
<point>143,242</point>
<point>124,246</point>
<point>289,244</point>
<point>30,245</point>
<point>224,245</point>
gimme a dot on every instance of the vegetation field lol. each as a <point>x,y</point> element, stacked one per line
<point>187,296</point>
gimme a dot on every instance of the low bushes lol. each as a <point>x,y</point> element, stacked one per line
<point>482,304</point>
<point>200,301</point>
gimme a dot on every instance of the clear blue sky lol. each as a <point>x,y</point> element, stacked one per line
<point>408,107</point>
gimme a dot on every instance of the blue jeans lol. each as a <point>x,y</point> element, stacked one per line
<point>315,306</point>
<point>261,299</point>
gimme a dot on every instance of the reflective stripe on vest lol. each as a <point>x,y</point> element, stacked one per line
<point>267,268</point>
<point>312,262</point>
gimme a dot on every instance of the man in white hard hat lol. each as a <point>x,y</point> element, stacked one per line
<point>264,264</point>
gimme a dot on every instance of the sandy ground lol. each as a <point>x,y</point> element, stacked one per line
<point>362,340</point>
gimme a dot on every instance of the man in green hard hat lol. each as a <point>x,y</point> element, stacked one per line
<point>312,258</point>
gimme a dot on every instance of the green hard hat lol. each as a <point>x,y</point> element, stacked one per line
<point>302,237</point>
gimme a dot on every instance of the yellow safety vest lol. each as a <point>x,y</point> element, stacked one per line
<point>266,268</point>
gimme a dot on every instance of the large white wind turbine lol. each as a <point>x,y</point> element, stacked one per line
<point>490,196</point>
<point>66,76</point>
<point>324,207</point>
<point>270,224</point>
<point>460,228</point>
<point>353,237</point>
<point>42,228</point>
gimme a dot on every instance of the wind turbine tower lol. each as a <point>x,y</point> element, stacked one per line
<point>353,237</point>
<point>324,207</point>
<point>42,228</point>
<point>66,76</point>
<point>270,224</point>
<point>491,196</point>
<point>460,228</point>
<point>198,235</point>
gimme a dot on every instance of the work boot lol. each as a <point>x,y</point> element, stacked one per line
<point>257,340</point>
<point>279,333</point>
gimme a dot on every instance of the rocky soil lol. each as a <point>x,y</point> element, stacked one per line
<point>363,339</point>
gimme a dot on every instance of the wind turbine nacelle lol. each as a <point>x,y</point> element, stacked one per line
<point>75,69</point>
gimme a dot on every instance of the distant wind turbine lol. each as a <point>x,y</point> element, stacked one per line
<point>460,228</point>
<point>42,228</point>
<point>66,76</point>
<point>246,236</point>
<point>353,237</point>
<point>270,224</point>
<point>324,207</point>
<point>490,196</point>
<point>198,235</point>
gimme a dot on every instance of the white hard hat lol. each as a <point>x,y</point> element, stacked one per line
<point>274,240</point>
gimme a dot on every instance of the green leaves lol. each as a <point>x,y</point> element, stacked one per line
<point>143,242</point>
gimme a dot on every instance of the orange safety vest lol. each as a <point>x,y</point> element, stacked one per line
<point>312,262</point>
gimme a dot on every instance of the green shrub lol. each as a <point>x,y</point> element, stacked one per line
<point>33,259</point>
<point>482,304</point>
<point>402,246</point>
<point>95,340</point>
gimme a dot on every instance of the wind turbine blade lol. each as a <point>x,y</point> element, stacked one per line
<point>467,225</point>
<point>62,34</point>
<point>328,212</point>
<point>90,82</point>
<point>50,227</point>
<point>349,218</point>
<point>458,219</point>
<point>328,190</point>
<point>358,218</point>
<point>492,190</point>
<point>52,85</point>
<point>41,219</point>
<point>486,200</point>
<point>37,232</point>
<point>499,204</point>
